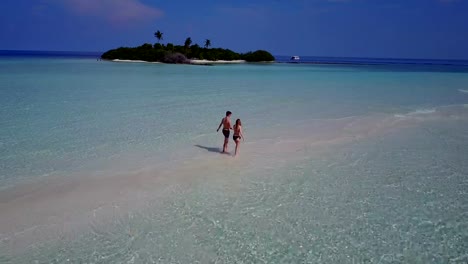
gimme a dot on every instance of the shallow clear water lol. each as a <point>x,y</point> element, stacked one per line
<point>105,162</point>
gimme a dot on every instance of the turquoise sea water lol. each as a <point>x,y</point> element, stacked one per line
<point>104,162</point>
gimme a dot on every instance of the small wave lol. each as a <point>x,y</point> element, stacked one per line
<point>422,111</point>
<point>463,91</point>
<point>416,112</point>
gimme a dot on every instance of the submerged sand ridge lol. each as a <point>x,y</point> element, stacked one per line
<point>63,208</point>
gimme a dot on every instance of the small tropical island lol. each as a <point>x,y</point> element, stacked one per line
<point>184,54</point>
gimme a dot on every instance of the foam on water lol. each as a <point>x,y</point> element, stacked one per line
<point>328,172</point>
<point>416,112</point>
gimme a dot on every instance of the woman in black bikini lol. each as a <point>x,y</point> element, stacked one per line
<point>237,134</point>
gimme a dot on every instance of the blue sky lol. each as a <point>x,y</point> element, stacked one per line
<point>435,29</point>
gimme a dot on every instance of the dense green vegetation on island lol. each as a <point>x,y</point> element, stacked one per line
<point>171,53</point>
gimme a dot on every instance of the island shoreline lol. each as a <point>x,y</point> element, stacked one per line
<point>195,62</point>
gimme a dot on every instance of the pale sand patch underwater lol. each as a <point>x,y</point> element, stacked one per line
<point>65,207</point>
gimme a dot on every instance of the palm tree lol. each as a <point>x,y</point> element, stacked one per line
<point>188,42</point>
<point>159,35</point>
<point>207,43</point>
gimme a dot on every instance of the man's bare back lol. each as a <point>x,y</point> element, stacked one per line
<point>226,123</point>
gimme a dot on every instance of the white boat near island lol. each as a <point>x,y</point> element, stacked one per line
<point>295,58</point>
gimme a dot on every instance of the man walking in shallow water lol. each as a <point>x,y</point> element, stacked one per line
<point>226,123</point>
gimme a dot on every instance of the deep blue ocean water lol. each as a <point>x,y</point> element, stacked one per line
<point>345,160</point>
<point>278,58</point>
<point>372,61</point>
<point>49,54</point>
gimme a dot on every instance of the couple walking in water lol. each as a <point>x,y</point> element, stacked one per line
<point>237,129</point>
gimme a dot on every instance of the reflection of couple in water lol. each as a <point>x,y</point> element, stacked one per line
<point>237,129</point>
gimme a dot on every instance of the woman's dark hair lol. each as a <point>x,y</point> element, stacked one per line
<point>238,123</point>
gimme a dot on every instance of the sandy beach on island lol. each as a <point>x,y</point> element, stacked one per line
<point>140,61</point>
<point>196,62</point>
<point>217,62</point>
